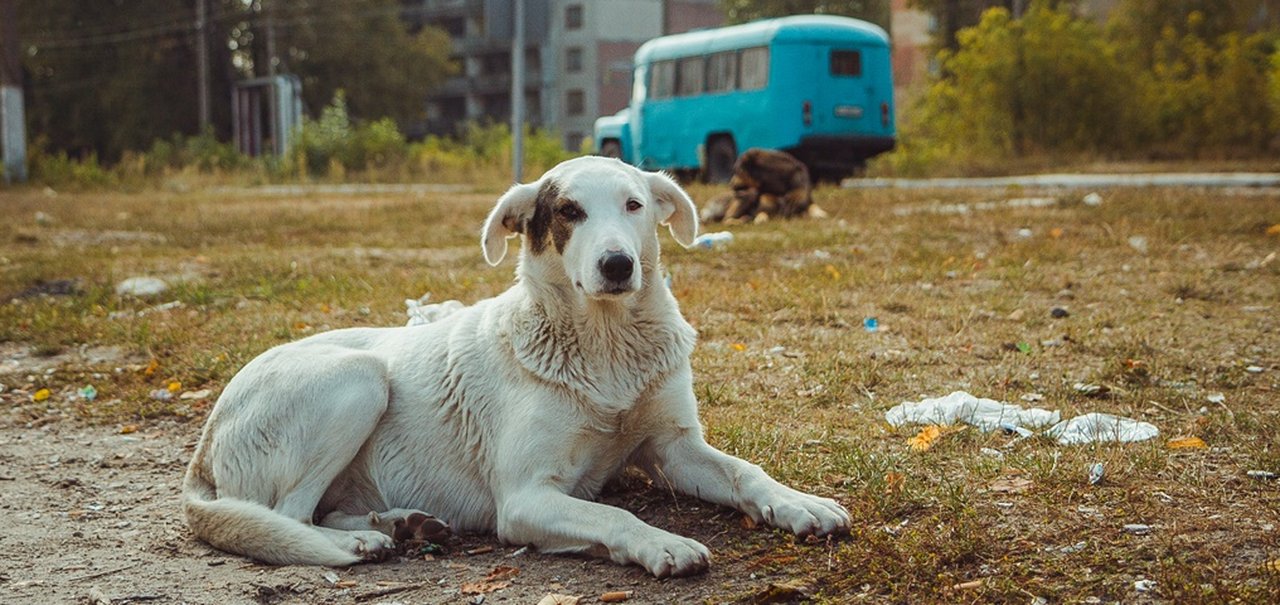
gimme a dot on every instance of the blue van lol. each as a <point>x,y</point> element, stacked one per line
<point>819,87</point>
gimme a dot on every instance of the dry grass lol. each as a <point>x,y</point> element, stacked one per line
<point>954,294</point>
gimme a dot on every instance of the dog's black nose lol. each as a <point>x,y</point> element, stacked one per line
<point>616,267</point>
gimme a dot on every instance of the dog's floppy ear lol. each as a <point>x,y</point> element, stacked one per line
<point>508,218</point>
<point>678,211</point>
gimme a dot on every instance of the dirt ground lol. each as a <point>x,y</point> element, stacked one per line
<point>92,516</point>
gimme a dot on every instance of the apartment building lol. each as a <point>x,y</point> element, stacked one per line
<point>577,57</point>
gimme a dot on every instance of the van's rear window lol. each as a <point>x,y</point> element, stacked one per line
<point>846,63</point>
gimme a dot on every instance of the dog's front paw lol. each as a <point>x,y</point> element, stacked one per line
<point>670,555</point>
<point>804,515</point>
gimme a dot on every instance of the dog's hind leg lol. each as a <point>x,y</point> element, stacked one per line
<point>281,447</point>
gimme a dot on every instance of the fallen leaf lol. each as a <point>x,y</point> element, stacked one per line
<point>616,596</point>
<point>747,522</point>
<point>174,386</point>
<point>1274,230</point>
<point>1055,232</point>
<point>128,428</point>
<point>41,395</point>
<point>1187,443</point>
<point>925,438</point>
<point>833,272</point>
<point>739,347</point>
<point>483,587</point>
<point>201,394</point>
<point>502,572</point>
<point>1010,485</point>
<point>893,483</point>
<point>151,367</point>
<point>781,593</point>
<point>559,599</point>
<point>967,585</point>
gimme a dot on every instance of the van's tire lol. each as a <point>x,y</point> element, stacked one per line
<point>611,148</point>
<point>722,154</point>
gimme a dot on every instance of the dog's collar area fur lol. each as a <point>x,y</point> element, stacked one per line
<point>610,351</point>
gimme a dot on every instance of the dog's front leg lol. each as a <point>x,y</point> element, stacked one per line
<point>680,456</point>
<point>556,522</point>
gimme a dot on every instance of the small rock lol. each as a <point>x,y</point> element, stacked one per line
<point>1144,585</point>
<point>1059,313</point>
<point>141,286</point>
<point>1262,474</point>
<point>1092,199</point>
<point>1250,369</point>
<point>1138,243</point>
<point>1137,529</point>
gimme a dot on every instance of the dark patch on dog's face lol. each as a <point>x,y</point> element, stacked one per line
<point>538,226</point>
<point>554,218</point>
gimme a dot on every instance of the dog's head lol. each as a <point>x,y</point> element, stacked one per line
<point>596,218</point>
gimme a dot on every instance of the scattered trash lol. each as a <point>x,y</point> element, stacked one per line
<point>1059,313</point>
<point>1137,529</point>
<point>559,599</point>
<point>128,429</point>
<point>1274,230</point>
<point>1032,397</point>
<point>1091,390</point>
<point>1095,427</point>
<point>1253,369</point>
<point>1013,429</point>
<point>162,395</point>
<point>1010,485</point>
<point>967,585</point>
<point>201,394</point>
<point>994,453</point>
<point>961,407</point>
<point>616,596</point>
<point>88,393</point>
<point>421,313</point>
<point>1073,548</point>
<point>1216,398</point>
<point>871,324</point>
<point>480,550</point>
<point>925,438</point>
<point>1139,243</point>
<point>1025,233</point>
<point>1096,473</point>
<point>1144,585</point>
<point>989,415</point>
<point>1256,474</point>
<point>709,241</point>
<point>1092,199</point>
<point>1187,443</point>
<point>331,578</point>
<point>41,395</point>
<point>141,287</point>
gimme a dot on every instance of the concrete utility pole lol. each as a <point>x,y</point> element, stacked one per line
<point>202,64</point>
<point>13,127</point>
<point>517,94</point>
<point>271,39</point>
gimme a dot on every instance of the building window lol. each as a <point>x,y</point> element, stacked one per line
<point>573,60</point>
<point>846,63</point>
<point>574,103</point>
<point>753,72</point>
<point>573,16</point>
<point>689,79</point>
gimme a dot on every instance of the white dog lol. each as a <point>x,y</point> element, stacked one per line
<point>507,416</point>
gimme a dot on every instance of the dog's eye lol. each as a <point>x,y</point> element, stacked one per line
<point>634,206</point>
<point>570,212</point>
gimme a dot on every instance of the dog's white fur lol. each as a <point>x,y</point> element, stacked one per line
<point>506,416</point>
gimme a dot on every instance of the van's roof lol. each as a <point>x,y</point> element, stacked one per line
<point>816,28</point>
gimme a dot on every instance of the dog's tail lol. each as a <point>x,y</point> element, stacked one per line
<point>253,530</point>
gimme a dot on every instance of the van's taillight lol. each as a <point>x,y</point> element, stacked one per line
<point>884,114</point>
<point>808,113</point>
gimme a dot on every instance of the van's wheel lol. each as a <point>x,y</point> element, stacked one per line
<point>721,156</point>
<point>611,149</point>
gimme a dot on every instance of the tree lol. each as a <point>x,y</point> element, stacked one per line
<point>741,11</point>
<point>104,77</point>
<point>362,47</point>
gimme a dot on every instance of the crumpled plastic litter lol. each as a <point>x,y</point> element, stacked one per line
<point>421,313</point>
<point>988,415</point>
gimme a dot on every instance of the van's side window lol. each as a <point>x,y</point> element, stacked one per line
<point>690,80</point>
<point>846,63</point>
<point>722,72</point>
<point>754,68</point>
<point>662,81</point>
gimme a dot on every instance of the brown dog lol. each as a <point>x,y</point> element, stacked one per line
<point>765,184</point>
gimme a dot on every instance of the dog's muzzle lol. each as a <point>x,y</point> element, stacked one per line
<point>616,268</point>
